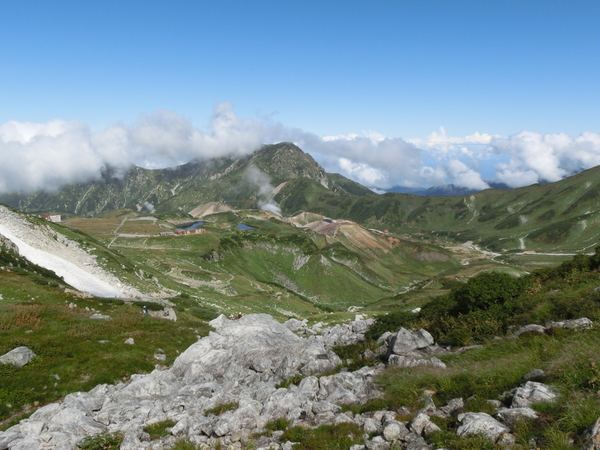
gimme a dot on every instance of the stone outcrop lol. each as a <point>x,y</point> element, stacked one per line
<point>532,392</point>
<point>582,323</point>
<point>241,362</point>
<point>410,349</point>
<point>481,423</point>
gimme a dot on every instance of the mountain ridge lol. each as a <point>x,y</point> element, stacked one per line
<point>227,180</point>
<point>281,177</point>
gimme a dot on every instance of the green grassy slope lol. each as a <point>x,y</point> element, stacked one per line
<point>276,267</point>
<point>561,216</point>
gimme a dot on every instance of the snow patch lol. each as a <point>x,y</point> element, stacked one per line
<point>43,246</point>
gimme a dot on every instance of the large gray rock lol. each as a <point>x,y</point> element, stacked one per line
<point>231,351</point>
<point>574,324</point>
<point>578,324</point>
<point>406,341</point>
<point>422,425</point>
<point>295,324</point>
<point>394,431</point>
<point>533,392</point>
<point>19,356</point>
<point>481,423</point>
<point>450,409</point>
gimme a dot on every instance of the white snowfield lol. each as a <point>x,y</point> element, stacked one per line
<point>51,250</point>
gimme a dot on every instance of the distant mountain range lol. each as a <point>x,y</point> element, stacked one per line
<point>443,190</point>
<point>560,216</point>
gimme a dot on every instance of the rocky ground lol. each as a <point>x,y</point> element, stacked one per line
<point>222,392</point>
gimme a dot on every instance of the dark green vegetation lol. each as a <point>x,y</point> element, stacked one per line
<point>557,216</point>
<point>490,303</point>
<point>102,441</point>
<point>220,409</point>
<point>332,437</point>
<point>298,267</point>
<point>159,429</point>
<point>277,267</point>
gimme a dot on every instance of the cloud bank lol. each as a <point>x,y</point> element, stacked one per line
<point>46,156</point>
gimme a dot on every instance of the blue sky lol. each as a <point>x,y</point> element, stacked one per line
<point>388,72</point>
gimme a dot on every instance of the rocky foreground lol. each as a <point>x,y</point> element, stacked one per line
<point>241,364</point>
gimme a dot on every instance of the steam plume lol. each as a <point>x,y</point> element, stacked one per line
<point>262,181</point>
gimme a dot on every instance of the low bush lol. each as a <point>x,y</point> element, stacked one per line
<point>294,379</point>
<point>184,444</point>
<point>159,429</point>
<point>280,424</point>
<point>330,437</point>
<point>101,441</point>
<point>220,409</point>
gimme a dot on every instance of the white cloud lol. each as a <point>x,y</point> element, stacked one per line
<point>535,157</point>
<point>361,172</point>
<point>464,176</point>
<point>440,142</point>
<point>49,155</point>
<point>25,132</point>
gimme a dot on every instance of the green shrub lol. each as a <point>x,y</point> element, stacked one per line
<point>330,437</point>
<point>220,409</point>
<point>152,306</point>
<point>449,439</point>
<point>159,429</point>
<point>278,424</point>
<point>390,322</point>
<point>294,379</point>
<point>101,441</point>
<point>183,444</point>
<point>203,313</point>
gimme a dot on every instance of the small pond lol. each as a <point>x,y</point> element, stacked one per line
<point>194,226</point>
<point>244,227</point>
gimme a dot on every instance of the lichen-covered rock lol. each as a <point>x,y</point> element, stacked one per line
<point>411,361</point>
<point>450,409</point>
<point>533,392</point>
<point>422,425</point>
<point>394,431</point>
<point>405,341</point>
<point>19,356</point>
<point>534,328</point>
<point>573,324</point>
<point>510,416</point>
<point>591,436</point>
<point>481,423</point>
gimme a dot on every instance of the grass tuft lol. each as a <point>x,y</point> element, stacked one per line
<point>220,409</point>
